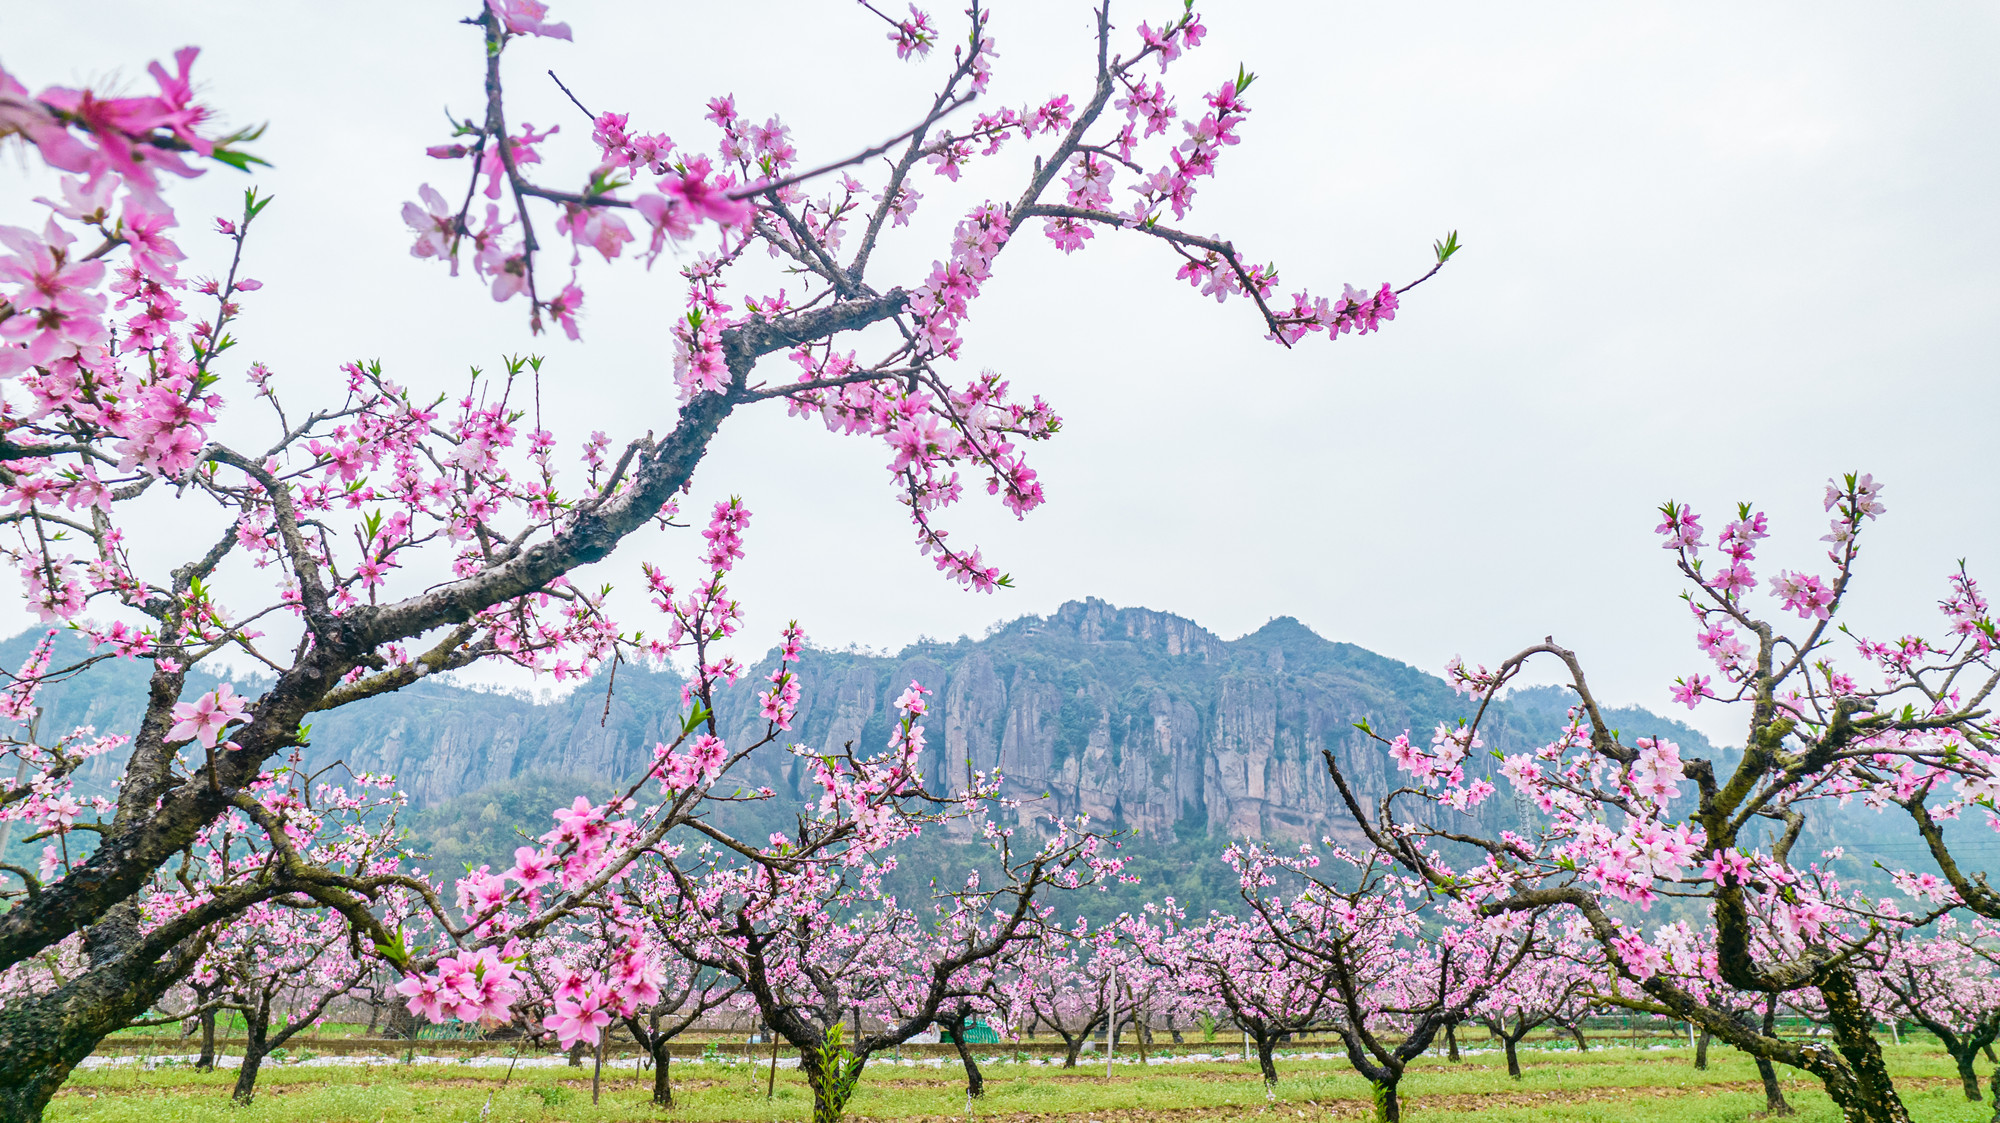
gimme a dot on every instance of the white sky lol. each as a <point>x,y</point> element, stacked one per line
<point>1714,252</point>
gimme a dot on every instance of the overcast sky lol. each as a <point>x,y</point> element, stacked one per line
<point>1713,252</point>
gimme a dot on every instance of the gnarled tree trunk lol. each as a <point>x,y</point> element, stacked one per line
<point>1387,1108</point>
<point>1853,1028</point>
<point>954,1024</point>
<point>1265,1043</point>
<point>43,1039</point>
<point>256,1046</point>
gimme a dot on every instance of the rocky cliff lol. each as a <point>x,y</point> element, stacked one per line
<point>1143,720</point>
<point>1140,719</point>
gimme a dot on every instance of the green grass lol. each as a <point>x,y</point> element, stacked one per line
<point>1603,1086</point>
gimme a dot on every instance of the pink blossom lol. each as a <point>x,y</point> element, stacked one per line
<point>564,308</point>
<point>1803,593</point>
<point>527,17</point>
<point>204,718</point>
<point>435,225</point>
<point>55,313</point>
<point>533,868</point>
<point>914,36</point>
<point>575,1021</point>
<point>702,198</point>
<point>1691,690</point>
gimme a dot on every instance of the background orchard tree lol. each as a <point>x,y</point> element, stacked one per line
<point>1241,967</point>
<point>286,964</point>
<point>384,533</point>
<point>688,993</point>
<point>1400,966</point>
<point>1066,983</point>
<point>981,984</point>
<point>1610,838</point>
<point>804,924</point>
<point>1944,981</point>
<point>1549,984</point>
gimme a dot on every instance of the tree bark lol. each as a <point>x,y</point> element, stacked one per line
<point>1451,1042</point>
<point>1853,1028</point>
<point>663,1083</point>
<point>1387,1108</point>
<point>830,1092</point>
<point>1701,1049</point>
<point>1774,1096</point>
<point>1072,1046</point>
<point>255,1046</point>
<point>44,1038</point>
<point>1265,1042</point>
<point>1963,1052</point>
<point>1509,1042</point>
<point>206,1062</point>
<point>975,1084</point>
<point>1963,1047</point>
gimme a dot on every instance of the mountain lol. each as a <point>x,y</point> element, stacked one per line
<point>1140,719</point>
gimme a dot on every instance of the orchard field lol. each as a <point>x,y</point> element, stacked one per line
<point>278,485</point>
<point>1653,1085</point>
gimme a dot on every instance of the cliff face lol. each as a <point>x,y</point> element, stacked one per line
<point>1140,719</point>
<point>1135,718</point>
<point>1145,721</point>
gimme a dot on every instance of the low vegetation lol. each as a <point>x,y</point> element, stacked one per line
<point>1621,1085</point>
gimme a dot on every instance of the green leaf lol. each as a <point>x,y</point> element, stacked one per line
<point>694,719</point>
<point>396,951</point>
<point>241,161</point>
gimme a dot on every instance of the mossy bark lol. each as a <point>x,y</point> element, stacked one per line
<point>43,1039</point>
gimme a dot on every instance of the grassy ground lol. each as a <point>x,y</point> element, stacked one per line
<point>1603,1086</point>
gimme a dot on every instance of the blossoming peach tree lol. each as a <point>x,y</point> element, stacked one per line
<point>1396,964</point>
<point>1900,725</point>
<point>387,533</point>
<point>1236,966</point>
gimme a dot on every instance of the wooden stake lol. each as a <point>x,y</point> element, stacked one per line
<point>1111,1026</point>
<point>597,1074</point>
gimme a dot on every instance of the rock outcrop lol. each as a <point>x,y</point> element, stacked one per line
<point>1141,720</point>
